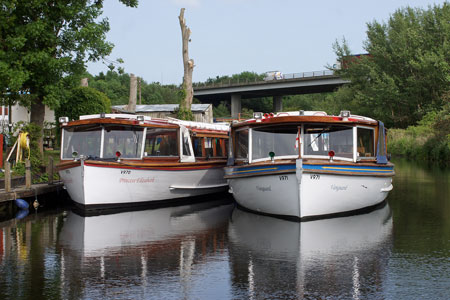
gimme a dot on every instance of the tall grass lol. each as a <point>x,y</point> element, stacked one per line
<point>429,140</point>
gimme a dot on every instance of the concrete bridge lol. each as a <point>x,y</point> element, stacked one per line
<point>291,84</point>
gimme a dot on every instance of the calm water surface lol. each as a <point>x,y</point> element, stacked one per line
<point>215,251</point>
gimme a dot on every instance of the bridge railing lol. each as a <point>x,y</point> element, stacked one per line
<point>237,81</point>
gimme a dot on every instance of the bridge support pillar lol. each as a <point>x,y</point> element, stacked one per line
<point>235,105</point>
<point>277,103</point>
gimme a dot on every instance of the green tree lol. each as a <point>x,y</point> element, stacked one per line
<point>117,87</point>
<point>407,69</point>
<point>83,101</point>
<point>44,46</point>
<point>114,85</point>
<point>221,110</point>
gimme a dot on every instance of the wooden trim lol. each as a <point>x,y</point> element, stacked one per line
<point>67,165</point>
<point>119,122</point>
<point>219,162</point>
<point>214,146</point>
<point>211,134</point>
<point>304,119</point>
<point>203,139</point>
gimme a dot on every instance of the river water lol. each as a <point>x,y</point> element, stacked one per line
<point>213,250</point>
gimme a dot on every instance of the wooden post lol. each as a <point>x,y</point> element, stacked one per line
<point>1,150</point>
<point>50,170</point>
<point>27,174</point>
<point>7,177</point>
<point>140,94</point>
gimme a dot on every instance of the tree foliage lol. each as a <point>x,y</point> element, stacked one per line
<point>117,87</point>
<point>407,71</point>
<point>83,101</point>
<point>44,46</point>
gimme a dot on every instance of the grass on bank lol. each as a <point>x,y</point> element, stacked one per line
<point>39,174</point>
<point>429,140</point>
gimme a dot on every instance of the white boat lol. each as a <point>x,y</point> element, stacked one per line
<point>308,165</point>
<point>107,234</point>
<point>117,160</point>
<point>335,258</point>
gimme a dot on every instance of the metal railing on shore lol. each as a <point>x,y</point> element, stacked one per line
<point>237,81</point>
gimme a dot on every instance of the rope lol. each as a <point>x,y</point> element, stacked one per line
<point>23,143</point>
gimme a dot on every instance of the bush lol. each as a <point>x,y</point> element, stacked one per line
<point>34,133</point>
<point>429,140</point>
<point>83,101</point>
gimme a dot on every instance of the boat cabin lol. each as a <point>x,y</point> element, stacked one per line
<point>308,135</point>
<point>122,136</point>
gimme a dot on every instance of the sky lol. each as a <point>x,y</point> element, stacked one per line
<point>232,36</point>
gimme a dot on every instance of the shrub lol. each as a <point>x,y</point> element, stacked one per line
<point>83,101</point>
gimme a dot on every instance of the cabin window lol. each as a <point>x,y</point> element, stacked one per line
<point>125,139</point>
<point>209,147</point>
<point>197,146</point>
<point>84,140</point>
<point>280,141</point>
<point>320,139</point>
<point>365,141</point>
<point>186,150</point>
<point>220,147</point>
<point>161,142</point>
<point>209,150</point>
<point>241,144</point>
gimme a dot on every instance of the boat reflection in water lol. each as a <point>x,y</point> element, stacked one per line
<point>154,250</point>
<point>317,259</point>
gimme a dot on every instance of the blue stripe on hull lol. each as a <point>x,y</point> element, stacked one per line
<point>306,167</point>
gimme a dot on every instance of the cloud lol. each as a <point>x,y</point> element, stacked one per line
<point>187,3</point>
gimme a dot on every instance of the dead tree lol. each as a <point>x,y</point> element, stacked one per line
<point>187,63</point>
<point>133,90</point>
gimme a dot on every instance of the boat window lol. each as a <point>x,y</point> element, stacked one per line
<point>220,147</point>
<point>209,147</point>
<point>241,144</point>
<point>197,146</point>
<point>85,140</point>
<point>365,138</point>
<point>320,139</point>
<point>161,142</point>
<point>209,150</point>
<point>125,139</point>
<point>186,150</point>
<point>280,141</point>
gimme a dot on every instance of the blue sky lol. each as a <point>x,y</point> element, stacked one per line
<point>232,36</point>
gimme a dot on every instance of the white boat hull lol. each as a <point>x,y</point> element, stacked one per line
<point>320,194</point>
<point>89,185</point>
<point>103,235</point>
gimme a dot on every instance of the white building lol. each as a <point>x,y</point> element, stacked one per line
<point>20,113</point>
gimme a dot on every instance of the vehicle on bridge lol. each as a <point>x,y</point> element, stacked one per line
<point>273,75</point>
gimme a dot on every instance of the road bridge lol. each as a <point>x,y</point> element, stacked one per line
<point>291,84</point>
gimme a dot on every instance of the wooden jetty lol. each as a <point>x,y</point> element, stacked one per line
<point>9,193</point>
<point>32,191</point>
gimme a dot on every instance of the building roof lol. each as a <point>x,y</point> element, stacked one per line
<point>162,108</point>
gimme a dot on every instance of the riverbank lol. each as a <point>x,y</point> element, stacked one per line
<point>428,141</point>
<point>419,144</point>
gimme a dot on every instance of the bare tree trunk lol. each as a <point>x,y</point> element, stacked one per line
<point>187,62</point>
<point>37,116</point>
<point>133,90</point>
